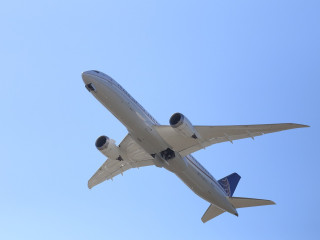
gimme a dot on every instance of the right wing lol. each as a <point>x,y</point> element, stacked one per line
<point>135,157</point>
<point>217,134</point>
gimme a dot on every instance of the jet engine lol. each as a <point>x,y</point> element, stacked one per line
<point>181,124</point>
<point>108,148</point>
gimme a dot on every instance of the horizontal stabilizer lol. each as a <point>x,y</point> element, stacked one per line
<point>212,212</point>
<point>239,202</point>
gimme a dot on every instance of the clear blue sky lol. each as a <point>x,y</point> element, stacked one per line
<point>218,62</point>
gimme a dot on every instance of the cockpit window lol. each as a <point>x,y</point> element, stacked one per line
<point>96,71</point>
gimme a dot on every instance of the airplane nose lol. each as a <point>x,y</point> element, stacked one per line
<point>86,77</point>
<point>89,81</point>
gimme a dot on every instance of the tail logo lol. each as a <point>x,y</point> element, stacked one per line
<point>225,185</point>
<point>229,183</point>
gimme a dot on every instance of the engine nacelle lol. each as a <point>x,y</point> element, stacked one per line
<point>108,148</point>
<point>181,124</point>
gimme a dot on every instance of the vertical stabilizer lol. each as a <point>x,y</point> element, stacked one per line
<point>229,183</point>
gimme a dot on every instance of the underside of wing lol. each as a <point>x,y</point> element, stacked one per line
<point>134,157</point>
<point>216,134</point>
<point>108,170</point>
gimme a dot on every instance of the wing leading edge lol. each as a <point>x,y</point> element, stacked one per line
<point>217,134</point>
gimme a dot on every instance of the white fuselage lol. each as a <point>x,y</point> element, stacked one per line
<point>140,125</point>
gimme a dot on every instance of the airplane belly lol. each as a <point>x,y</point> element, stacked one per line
<point>196,183</point>
<point>204,187</point>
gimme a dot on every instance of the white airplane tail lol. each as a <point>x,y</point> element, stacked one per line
<point>238,202</point>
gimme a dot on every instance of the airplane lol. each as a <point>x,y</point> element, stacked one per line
<point>170,146</point>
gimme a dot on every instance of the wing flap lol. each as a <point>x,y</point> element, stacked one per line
<point>109,169</point>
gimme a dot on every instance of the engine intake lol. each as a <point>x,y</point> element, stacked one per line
<point>101,142</point>
<point>176,120</point>
<point>108,148</point>
<point>181,124</point>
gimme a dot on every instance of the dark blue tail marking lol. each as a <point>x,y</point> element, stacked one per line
<point>229,183</point>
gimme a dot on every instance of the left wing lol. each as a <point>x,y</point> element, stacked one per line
<point>135,157</point>
<point>216,134</point>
